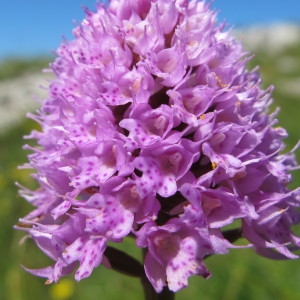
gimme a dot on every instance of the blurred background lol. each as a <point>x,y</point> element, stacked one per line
<point>29,31</point>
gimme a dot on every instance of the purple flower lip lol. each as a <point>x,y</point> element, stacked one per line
<point>155,129</point>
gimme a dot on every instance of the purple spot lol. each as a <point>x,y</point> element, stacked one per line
<point>86,273</point>
<point>175,267</point>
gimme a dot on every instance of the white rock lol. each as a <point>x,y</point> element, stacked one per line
<point>271,38</point>
<point>20,95</point>
<point>291,87</point>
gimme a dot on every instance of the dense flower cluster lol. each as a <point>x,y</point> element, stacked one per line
<point>154,128</point>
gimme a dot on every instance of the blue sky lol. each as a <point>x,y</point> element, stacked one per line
<point>33,27</point>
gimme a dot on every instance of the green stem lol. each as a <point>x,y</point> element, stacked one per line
<point>150,293</point>
<point>232,234</point>
<point>126,264</point>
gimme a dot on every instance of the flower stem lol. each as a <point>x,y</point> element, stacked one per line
<point>150,293</point>
<point>126,264</point>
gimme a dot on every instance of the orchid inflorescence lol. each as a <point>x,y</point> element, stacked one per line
<point>154,129</point>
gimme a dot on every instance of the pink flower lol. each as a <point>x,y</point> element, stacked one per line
<point>154,128</point>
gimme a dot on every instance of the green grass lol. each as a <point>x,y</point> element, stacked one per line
<point>238,275</point>
<point>13,67</point>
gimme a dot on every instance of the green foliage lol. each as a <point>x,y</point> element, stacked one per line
<point>241,274</point>
<point>14,67</point>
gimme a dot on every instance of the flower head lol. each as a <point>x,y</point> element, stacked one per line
<point>154,128</point>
